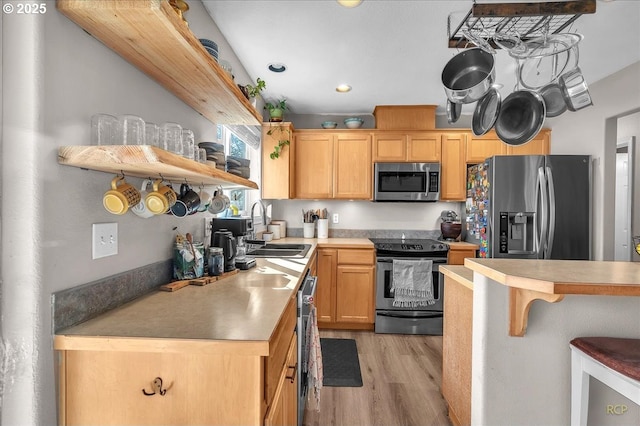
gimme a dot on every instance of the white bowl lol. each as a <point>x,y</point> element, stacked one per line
<point>329,125</point>
<point>353,123</point>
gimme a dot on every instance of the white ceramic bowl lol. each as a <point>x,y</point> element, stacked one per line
<point>329,125</point>
<point>353,123</point>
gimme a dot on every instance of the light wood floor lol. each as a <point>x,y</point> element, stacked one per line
<point>401,377</point>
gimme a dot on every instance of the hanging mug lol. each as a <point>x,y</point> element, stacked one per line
<point>205,199</point>
<point>161,198</point>
<point>120,197</point>
<point>219,202</point>
<point>187,203</point>
<point>141,209</point>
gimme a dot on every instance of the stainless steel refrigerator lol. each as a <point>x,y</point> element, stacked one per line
<point>530,207</point>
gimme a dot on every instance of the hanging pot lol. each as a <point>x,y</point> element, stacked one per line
<point>553,99</point>
<point>468,76</point>
<point>486,112</point>
<point>575,90</point>
<point>453,111</point>
<point>521,117</point>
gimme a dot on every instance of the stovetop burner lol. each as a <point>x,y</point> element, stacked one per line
<point>410,246</point>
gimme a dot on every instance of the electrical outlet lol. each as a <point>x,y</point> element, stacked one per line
<point>105,240</point>
<point>207,231</point>
<point>336,218</point>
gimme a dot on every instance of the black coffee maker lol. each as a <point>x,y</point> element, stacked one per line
<point>224,238</point>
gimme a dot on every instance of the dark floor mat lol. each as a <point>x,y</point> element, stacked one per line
<point>341,366</point>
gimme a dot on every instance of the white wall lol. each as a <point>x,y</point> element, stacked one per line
<point>55,76</point>
<point>593,131</point>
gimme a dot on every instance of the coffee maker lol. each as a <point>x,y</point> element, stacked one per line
<point>241,228</point>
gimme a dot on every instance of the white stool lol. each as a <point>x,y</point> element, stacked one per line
<point>613,361</point>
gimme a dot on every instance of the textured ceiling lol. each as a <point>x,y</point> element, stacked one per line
<point>390,52</point>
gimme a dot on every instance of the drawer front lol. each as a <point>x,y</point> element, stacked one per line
<point>278,347</point>
<point>356,257</point>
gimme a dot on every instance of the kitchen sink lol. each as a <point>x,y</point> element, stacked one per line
<point>280,250</point>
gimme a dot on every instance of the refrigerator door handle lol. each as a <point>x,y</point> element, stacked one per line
<point>542,182</point>
<point>552,214</point>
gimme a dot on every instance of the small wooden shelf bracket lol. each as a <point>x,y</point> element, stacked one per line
<point>519,304</point>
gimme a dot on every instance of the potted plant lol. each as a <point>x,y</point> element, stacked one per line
<point>254,91</point>
<point>276,109</point>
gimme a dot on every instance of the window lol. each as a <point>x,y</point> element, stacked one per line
<point>234,146</point>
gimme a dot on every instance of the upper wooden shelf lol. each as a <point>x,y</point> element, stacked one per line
<point>145,161</point>
<point>150,35</point>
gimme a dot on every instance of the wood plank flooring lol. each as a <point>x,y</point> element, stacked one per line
<point>401,377</point>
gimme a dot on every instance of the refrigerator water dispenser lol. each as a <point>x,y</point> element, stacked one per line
<point>517,233</point>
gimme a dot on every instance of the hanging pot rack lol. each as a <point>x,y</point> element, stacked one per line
<point>527,20</point>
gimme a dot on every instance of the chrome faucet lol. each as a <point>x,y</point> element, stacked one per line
<point>264,218</point>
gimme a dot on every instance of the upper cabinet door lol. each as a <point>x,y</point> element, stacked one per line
<point>453,171</point>
<point>277,173</point>
<point>352,179</point>
<point>389,147</point>
<point>423,147</point>
<point>479,148</point>
<point>540,145</point>
<point>314,165</point>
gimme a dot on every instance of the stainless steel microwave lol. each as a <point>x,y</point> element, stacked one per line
<point>406,182</point>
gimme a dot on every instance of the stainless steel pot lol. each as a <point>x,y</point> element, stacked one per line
<point>468,76</point>
<point>575,90</point>
<point>521,117</point>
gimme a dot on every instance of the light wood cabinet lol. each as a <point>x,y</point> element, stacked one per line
<point>453,170</point>
<point>345,295</point>
<point>326,286</point>
<point>399,147</point>
<point>456,350</point>
<point>460,251</point>
<point>277,173</point>
<point>169,383</point>
<point>480,148</point>
<point>333,165</point>
<point>540,145</point>
<point>284,406</point>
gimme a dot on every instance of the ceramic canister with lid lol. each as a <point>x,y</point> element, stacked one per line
<point>283,227</point>
<point>275,229</point>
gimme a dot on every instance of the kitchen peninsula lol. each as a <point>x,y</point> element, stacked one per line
<point>520,357</point>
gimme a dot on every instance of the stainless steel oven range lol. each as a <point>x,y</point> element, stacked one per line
<point>306,294</point>
<point>403,320</point>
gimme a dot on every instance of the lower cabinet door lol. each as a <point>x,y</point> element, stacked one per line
<point>355,294</point>
<point>150,388</point>
<point>283,410</point>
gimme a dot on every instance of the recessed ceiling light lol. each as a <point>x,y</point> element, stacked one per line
<point>343,88</point>
<point>349,3</point>
<point>277,67</point>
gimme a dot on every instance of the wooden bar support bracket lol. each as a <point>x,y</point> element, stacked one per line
<point>519,304</point>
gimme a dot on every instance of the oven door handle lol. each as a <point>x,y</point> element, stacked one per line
<point>400,315</point>
<point>390,260</point>
<point>308,299</point>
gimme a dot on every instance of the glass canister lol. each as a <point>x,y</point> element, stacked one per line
<point>216,261</point>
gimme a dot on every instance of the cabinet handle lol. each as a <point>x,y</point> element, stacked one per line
<point>292,377</point>
<point>156,386</point>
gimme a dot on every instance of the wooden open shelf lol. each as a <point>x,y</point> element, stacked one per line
<point>145,161</point>
<point>150,35</point>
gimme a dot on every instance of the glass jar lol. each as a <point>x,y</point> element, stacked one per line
<point>216,261</point>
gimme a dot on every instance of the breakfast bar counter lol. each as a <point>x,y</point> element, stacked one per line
<point>527,379</point>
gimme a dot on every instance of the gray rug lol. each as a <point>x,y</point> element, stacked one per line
<point>341,366</point>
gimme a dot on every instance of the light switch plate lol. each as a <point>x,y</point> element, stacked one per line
<point>105,240</point>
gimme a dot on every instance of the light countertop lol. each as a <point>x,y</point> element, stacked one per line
<point>459,273</point>
<point>244,309</point>
<point>562,276</point>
